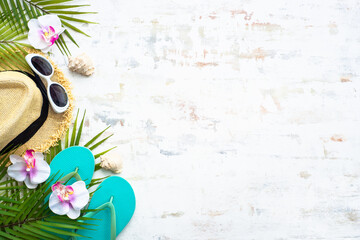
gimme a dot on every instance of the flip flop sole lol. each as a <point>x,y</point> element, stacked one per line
<point>71,158</point>
<point>124,203</point>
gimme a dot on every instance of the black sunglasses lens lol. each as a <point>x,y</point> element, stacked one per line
<point>42,65</point>
<point>58,95</point>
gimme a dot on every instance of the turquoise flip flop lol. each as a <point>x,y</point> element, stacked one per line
<point>116,198</point>
<point>73,164</point>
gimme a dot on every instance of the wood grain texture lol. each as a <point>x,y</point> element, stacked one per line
<point>236,119</point>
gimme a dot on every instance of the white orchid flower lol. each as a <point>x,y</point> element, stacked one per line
<point>44,31</point>
<point>69,200</point>
<point>31,169</point>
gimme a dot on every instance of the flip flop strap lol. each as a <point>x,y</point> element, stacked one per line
<point>71,175</point>
<point>111,206</point>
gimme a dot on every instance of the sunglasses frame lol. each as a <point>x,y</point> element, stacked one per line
<point>55,107</point>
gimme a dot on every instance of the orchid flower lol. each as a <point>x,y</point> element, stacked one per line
<point>32,169</point>
<point>68,200</point>
<point>44,31</point>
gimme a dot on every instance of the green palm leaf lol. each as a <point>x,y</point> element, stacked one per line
<point>26,215</point>
<point>11,48</point>
<point>75,137</point>
<point>16,14</point>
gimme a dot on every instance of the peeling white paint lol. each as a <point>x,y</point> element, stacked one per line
<point>238,119</point>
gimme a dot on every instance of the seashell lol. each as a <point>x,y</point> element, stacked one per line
<point>81,64</point>
<point>113,163</point>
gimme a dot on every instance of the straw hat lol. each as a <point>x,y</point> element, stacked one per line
<point>21,104</point>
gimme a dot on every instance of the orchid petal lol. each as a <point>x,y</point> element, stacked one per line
<point>29,158</point>
<point>56,186</point>
<point>34,24</point>
<point>51,30</point>
<point>40,173</point>
<point>17,171</point>
<point>29,154</point>
<point>36,40</point>
<point>59,31</point>
<point>16,158</point>
<point>38,156</point>
<point>80,197</point>
<point>53,39</point>
<point>50,20</point>
<point>69,189</point>
<point>29,184</point>
<point>73,213</point>
<point>58,207</point>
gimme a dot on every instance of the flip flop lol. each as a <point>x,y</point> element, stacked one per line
<point>73,164</point>
<point>116,199</point>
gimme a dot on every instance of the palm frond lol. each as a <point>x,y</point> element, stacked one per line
<point>26,215</point>
<point>76,134</point>
<point>11,48</point>
<point>73,138</point>
<point>17,13</point>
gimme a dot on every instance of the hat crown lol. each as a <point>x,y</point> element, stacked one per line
<point>20,104</point>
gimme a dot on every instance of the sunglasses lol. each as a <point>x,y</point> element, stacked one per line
<point>56,93</point>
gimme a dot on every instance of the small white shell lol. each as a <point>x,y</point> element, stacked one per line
<point>112,162</point>
<point>81,64</point>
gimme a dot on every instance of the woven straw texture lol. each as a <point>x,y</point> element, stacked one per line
<point>55,125</point>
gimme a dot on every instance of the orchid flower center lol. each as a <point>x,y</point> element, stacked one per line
<point>29,159</point>
<point>49,35</point>
<point>63,192</point>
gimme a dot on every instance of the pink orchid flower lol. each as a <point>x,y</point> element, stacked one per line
<point>32,169</point>
<point>68,200</point>
<point>44,31</point>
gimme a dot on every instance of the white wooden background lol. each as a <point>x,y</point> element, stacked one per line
<point>236,119</point>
